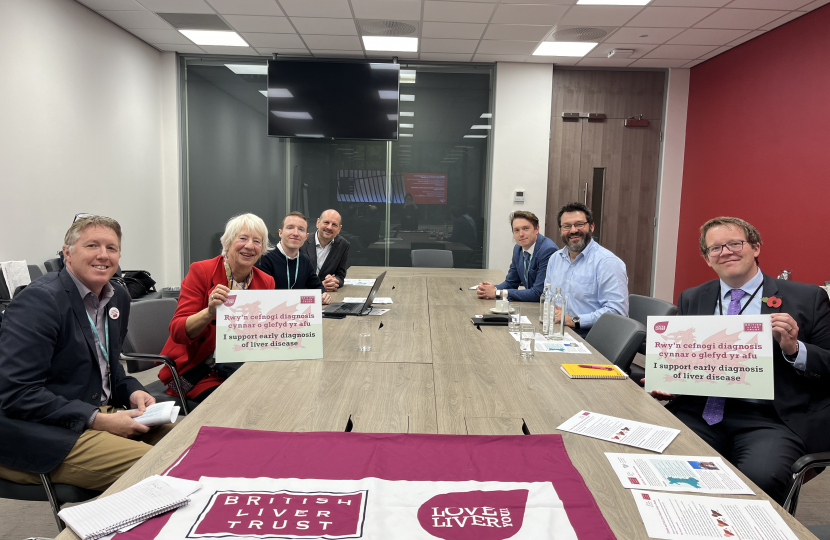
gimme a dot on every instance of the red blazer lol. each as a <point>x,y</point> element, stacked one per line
<point>202,277</point>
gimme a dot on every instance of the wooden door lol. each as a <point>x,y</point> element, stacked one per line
<point>625,158</point>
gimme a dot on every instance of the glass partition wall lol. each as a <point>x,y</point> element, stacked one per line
<point>425,191</point>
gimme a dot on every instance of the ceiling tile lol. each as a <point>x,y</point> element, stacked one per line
<point>136,19</point>
<point>689,3</point>
<point>266,51</point>
<point>516,31</point>
<point>658,63</point>
<point>814,5</point>
<point>407,10</point>
<point>602,50</point>
<point>246,7</point>
<point>452,30</point>
<point>507,47</point>
<point>499,58</point>
<point>643,35</point>
<point>457,11</point>
<point>528,14</point>
<point>186,49</point>
<point>714,53</point>
<point>112,5</point>
<point>314,8</point>
<point>743,39</point>
<point>783,20</point>
<point>605,62</point>
<point>215,49</point>
<point>769,4</point>
<point>332,27</point>
<point>400,55</point>
<point>287,41</point>
<point>667,17</point>
<point>267,25</point>
<point>177,6</point>
<point>448,46</point>
<point>687,52</point>
<point>700,36</point>
<point>323,53</point>
<point>599,15</point>
<point>693,63</point>
<point>160,36</point>
<point>334,43</point>
<point>557,60</point>
<point>446,57</point>
<point>748,19</point>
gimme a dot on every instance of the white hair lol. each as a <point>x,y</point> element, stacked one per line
<point>250,222</point>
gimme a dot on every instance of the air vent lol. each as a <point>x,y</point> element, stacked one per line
<point>194,21</point>
<point>579,33</point>
<point>370,27</point>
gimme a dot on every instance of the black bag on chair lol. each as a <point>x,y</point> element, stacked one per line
<point>138,283</point>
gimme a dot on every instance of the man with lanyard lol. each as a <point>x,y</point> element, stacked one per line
<point>328,251</point>
<point>530,261</point>
<point>63,385</point>
<point>762,438</point>
<point>592,278</point>
<point>290,268</point>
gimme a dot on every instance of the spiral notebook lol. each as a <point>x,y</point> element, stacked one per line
<point>598,371</point>
<point>136,504</point>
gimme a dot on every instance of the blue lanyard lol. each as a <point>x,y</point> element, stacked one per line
<point>105,351</point>
<point>296,270</point>
<point>526,262</point>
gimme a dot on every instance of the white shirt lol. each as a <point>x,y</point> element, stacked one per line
<point>279,247</point>
<point>322,252</point>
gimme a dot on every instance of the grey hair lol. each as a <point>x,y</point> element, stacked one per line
<point>242,222</point>
<point>74,232</point>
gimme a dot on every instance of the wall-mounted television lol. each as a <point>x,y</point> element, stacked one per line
<point>333,100</point>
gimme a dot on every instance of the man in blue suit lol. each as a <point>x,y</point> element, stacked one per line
<point>529,265</point>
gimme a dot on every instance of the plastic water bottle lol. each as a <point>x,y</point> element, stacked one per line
<point>557,327</point>
<point>544,307</point>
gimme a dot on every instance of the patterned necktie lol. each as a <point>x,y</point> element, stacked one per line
<point>713,412</point>
<point>526,256</point>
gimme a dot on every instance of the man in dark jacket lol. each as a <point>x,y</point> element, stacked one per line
<point>328,251</point>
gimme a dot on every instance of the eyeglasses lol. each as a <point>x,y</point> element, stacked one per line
<point>577,225</point>
<point>732,247</point>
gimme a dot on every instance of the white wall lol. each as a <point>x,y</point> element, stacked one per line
<point>88,125</point>
<point>521,139</point>
<point>670,183</point>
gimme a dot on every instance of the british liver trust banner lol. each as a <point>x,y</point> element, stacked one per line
<point>258,485</point>
<point>258,326</point>
<point>710,355</point>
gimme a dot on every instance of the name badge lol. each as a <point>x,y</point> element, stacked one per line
<point>114,313</point>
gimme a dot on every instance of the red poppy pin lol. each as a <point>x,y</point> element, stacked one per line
<point>772,301</point>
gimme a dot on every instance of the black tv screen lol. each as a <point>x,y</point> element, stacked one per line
<point>333,100</point>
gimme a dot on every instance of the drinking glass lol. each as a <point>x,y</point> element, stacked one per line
<point>514,316</point>
<point>527,340</point>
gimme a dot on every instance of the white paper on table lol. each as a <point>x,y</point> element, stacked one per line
<point>620,430</point>
<point>377,311</point>
<point>692,517</point>
<point>568,344</point>
<point>16,273</point>
<point>162,412</point>
<point>377,300</point>
<point>474,287</point>
<point>359,281</point>
<point>694,474</point>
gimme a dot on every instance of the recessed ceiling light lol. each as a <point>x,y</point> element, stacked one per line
<point>388,43</point>
<point>248,69</point>
<point>214,37</point>
<point>563,48</point>
<point>392,117</point>
<point>407,113</point>
<point>475,136</point>
<point>406,135</point>
<point>407,76</point>
<point>264,92</point>
<point>481,126</point>
<point>408,126</point>
<point>388,94</point>
<point>387,65</point>
<point>407,97</point>
<point>613,2</point>
<point>486,115</point>
<point>295,115</point>
<point>313,136</point>
<point>279,93</point>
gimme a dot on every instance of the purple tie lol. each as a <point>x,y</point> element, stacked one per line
<point>713,412</point>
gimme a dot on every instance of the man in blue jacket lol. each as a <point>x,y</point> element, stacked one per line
<point>529,265</point>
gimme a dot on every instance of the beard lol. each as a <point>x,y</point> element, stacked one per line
<point>579,247</point>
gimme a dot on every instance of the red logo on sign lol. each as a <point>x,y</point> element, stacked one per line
<point>306,299</point>
<point>633,480</point>
<point>661,327</point>
<point>646,497</point>
<point>753,327</point>
<point>231,300</point>
<point>284,514</point>
<point>474,515</point>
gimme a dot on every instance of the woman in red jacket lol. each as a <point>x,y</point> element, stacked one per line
<point>193,329</point>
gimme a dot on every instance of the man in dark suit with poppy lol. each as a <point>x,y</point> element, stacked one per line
<point>762,438</point>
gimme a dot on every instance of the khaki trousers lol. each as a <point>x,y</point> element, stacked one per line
<point>97,460</point>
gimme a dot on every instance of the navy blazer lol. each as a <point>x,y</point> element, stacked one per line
<point>542,251</point>
<point>51,380</point>
<point>336,260</point>
<point>802,400</point>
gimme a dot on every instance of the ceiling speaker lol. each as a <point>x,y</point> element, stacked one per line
<point>194,21</point>
<point>579,33</point>
<point>370,27</point>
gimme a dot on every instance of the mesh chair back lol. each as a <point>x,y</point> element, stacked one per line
<point>148,331</point>
<point>34,271</point>
<point>431,258</point>
<point>617,338</point>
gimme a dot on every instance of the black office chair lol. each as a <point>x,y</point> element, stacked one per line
<point>56,494</point>
<point>34,272</point>
<point>803,470</point>
<point>616,338</point>
<point>145,339</point>
<point>639,308</point>
<point>53,265</point>
<point>431,258</point>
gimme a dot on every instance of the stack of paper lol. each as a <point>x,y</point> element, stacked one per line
<point>164,412</point>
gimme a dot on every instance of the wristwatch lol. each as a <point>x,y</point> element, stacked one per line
<point>576,321</point>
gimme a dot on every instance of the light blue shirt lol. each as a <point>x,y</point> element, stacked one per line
<point>754,308</point>
<point>595,283</point>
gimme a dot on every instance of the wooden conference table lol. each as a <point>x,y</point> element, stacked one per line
<point>432,371</point>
